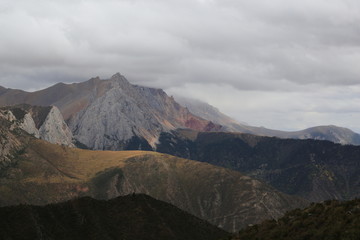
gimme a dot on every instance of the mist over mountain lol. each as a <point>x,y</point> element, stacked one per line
<point>331,133</point>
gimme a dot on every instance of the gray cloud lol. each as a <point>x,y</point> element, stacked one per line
<point>274,47</point>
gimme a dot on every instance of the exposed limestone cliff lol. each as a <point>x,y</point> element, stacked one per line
<point>28,125</point>
<point>124,111</point>
<point>51,125</point>
<point>55,130</point>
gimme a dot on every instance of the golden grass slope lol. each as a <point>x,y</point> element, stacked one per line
<point>45,173</point>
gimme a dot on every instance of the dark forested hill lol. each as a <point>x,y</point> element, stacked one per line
<point>131,217</point>
<point>315,170</point>
<point>331,220</point>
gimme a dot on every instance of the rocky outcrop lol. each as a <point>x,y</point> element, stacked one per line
<point>27,124</point>
<point>48,124</point>
<point>55,130</point>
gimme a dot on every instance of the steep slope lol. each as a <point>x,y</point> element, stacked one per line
<point>43,173</point>
<point>112,114</point>
<point>315,170</point>
<point>331,220</point>
<point>330,133</point>
<point>10,145</point>
<point>211,113</point>
<point>132,217</point>
<point>42,122</point>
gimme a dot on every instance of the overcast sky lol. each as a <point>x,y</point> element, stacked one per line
<point>283,64</point>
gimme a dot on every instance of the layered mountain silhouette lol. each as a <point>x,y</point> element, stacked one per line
<point>115,115</point>
<point>132,217</point>
<point>314,170</point>
<point>38,172</point>
<point>331,133</point>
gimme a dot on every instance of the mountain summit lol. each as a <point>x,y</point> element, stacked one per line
<point>112,114</point>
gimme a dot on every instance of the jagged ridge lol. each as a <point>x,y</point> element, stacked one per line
<point>42,122</point>
<point>113,114</point>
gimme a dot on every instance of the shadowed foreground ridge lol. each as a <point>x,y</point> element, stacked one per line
<point>330,220</point>
<point>129,217</point>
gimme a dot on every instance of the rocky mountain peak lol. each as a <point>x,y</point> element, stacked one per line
<point>117,77</point>
<point>113,114</point>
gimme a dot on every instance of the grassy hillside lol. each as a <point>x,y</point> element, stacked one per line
<point>43,173</point>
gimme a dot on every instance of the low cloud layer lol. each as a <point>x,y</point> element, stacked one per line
<point>280,63</point>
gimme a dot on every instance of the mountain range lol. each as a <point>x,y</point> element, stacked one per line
<point>39,172</point>
<point>114,115</point>
<point>54,146</point>
<point>331,133</point>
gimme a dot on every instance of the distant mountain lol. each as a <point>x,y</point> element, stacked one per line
<point>38,172</point>
<point>211,113</point>
<point>112,114</point>
<point>42,122</point>
<point>330,133</point>
<point>314,170</point>
<point>331,220</point>
<point>131,217</point>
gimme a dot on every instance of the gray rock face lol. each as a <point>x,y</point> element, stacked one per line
<point>28,125</point>
<point>52,127</point>
<point>125,111</point>
<point>114,118</point>
<point>112,114</point>
<point>55,130</point>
